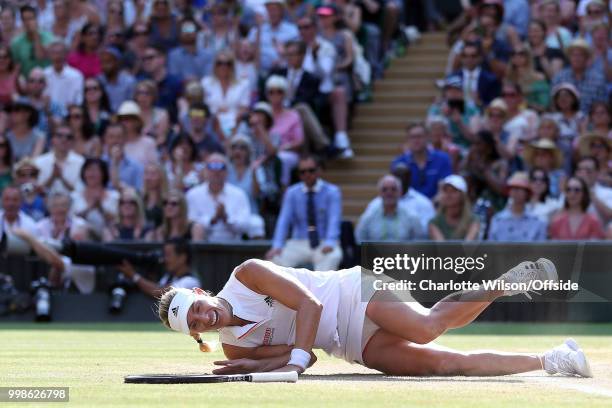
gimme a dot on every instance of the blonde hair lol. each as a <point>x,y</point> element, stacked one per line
<point>163,181</point>
<point>463,226</point>
<point>166,227</point>
<point>131,194</point>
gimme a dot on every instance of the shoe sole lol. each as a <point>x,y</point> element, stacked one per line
<point>582,360</point>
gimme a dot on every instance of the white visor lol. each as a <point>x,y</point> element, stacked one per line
<point>177,312</point>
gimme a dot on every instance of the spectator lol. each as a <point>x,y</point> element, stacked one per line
<point>11,215</point>
<point>64,83</point>
<point>25,140</point>
<point>494,121</point>
<point>557,36</point>
<point>115,16</point>
<point>440,139</point>
<point>479,85</point>
<point>123,170</point>
<point>246,66</point>
<point>155,188</point>
<point>241,169</point>
<point>169,87</point>
<point>60,167</point>
<point>454,220</point>
<point>313,211</point>
<point>319,59</point>
<point>598,146</point>
<point>156,121</point>
<point>220,34</point>
<point>187,61</point>
<point>533,83</point>
<point>118,83</point>
<point>287,124</point>
<point>459,111</point>
<point>139,147</point>
<point>201,130</point>
<point>487,172</point>
<point>588,80</point>
<point>427,166</point>
<point>29,48</point>
<point>9,74</point>
<point>97,109</point>
<point>303,93</point>
<point>566,102</point>
<point>497,39</point>
<point>545,154</point>
<point>390,221</point>
<point>574,222</point>
<point>61,224</point>
<point>516,14</point>
<point>175,223</point>
<point>6,163</point>
<point>342,94</point>
<point>226,96</point>
<point>220,207</point>
<point>542,204</point>
<point>588,170</point>
<point>95,203</point>
<point>35,93</point>
<point>184,168</point>
<point>414,202</point>
<point>602,51</point>
<point>131,224</point>
<point>600,119</point>
<point>271,35</point>
<point>25,173</point>
<point>194,94</point>
<point>177,263</point>
<point>546,60</point>
<point>515,222</point>
<point>521,122</point>
<point>86,57</point>
<point>164,27</point>
<point>137,46</point>
<point>86,143</point>
<point>62,25</point>
<point>549,129</point>
<point>8,26</point>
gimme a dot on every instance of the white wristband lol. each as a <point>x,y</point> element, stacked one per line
<point>299,358</point>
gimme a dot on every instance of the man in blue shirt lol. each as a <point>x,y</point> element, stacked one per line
<point>313,211</point>
<point>123,170</point>
<point>427,166</point>
<point>186,61</point>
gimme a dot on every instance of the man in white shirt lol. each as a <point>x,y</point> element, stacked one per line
<point>64,83</point>
<point>10,215</point>
<point>60,168</point>
<point>222,208</point>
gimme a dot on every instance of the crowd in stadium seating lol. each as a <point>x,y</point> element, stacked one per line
<point>158,119</point>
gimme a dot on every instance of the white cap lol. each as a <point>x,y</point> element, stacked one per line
<point>456,181</point>
<point>277,82</point>
<point>177,312</point>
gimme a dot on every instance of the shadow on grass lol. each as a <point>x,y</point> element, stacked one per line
<point>385,378</point>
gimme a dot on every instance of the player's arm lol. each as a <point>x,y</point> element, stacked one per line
<point>242,360</point>
<point>257,276</point>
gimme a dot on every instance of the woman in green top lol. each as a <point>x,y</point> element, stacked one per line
<point>533,83</point>
<point>455,220</point>
<point>6,163</point>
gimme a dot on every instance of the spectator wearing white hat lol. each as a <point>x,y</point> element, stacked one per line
<point>139,147</point>
<point>287,124</point>
<point>455,220</point>
<point>515,222</point>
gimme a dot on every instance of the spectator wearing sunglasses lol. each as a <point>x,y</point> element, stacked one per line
<point>175,224</point>
<point>389,221</point>
<point>312,210</point>
<point>60,167</point>
<point>223,209</point>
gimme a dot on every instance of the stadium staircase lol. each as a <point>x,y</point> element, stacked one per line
<point>377,131</point>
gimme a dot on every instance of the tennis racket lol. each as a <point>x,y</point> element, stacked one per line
<point>210,378</point>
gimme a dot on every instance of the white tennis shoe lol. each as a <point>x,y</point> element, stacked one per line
<point>525,273</point>
<point>567,359</point>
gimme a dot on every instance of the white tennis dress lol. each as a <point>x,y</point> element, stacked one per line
<point>341,329</point>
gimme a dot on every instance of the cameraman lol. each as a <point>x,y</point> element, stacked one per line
<point>177,263</point>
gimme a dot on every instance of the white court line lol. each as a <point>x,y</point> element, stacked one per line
<point>587,389</point>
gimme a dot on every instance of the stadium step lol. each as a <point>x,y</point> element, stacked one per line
<point>377,130</point>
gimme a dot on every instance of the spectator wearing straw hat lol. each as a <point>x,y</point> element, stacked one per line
<point>598,146</point>
<point>545,154</point>
<point>138,147</point>
<point>589,81</point>
<point>515,223</point>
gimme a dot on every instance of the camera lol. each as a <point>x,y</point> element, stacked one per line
<point>118,293</point>
<point>42,299</point>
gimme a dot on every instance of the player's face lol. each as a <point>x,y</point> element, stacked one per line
<point>206,314</point>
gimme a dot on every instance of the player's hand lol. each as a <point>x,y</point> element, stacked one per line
<point>127,269</point>
<point>289,368</point>
<point>237,366</point>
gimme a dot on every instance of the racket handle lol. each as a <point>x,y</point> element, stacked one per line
<point>291,376</point>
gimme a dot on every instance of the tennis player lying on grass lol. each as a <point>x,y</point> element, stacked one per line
<point>269,318</point>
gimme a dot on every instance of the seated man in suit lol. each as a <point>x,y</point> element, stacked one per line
<point>303,94</point>
<point>480,85</point>
<point>312,210</point>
